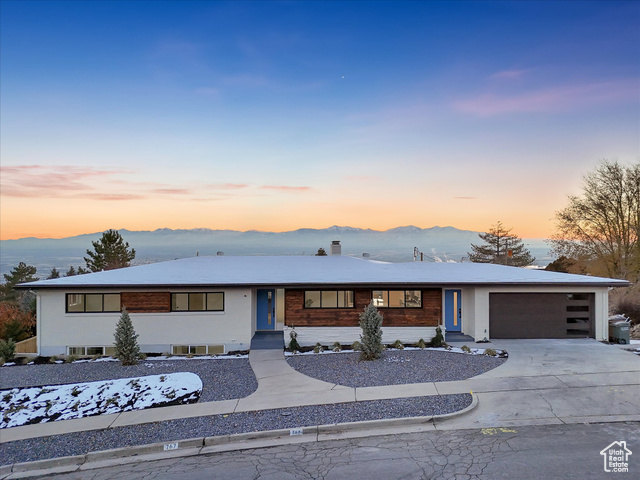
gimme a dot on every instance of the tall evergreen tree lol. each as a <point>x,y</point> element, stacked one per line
<point>126,340</point>
<point>371,338</point>
<point>501,247</point>
<point>22,273</point>
<point>109,253</point>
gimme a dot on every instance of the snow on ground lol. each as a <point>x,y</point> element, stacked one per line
<point>160,357</point>
<point>25,406</point>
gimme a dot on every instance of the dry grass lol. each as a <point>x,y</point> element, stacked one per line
<point>627,302</point>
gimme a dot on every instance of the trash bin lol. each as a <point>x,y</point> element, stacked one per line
<point>619,332</point>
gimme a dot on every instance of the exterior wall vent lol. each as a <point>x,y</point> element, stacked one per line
<point>336,249</point>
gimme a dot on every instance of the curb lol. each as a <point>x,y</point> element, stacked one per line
<point>204,445</point>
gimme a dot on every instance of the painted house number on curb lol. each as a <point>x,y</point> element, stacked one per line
<point>171,446</point>
<point>295,431</point>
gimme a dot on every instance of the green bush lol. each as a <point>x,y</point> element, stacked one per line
<point>465,349</point>
<point>357,346</point>
<point>398,345</point>
<point>421,344</point>
<point>318,348</point>
<point>71,359</point>
<point>336,347</point>
<point>491,352</point>
<point>438,340</point>
<point>7,350</point>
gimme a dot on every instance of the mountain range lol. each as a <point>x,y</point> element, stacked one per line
<point>438,244</point>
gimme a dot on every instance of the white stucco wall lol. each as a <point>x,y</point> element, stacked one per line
<point>468,312</point>
<point>308,336</point>
<point>157,331</point>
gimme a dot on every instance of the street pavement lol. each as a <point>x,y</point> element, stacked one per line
<point>529,452</point>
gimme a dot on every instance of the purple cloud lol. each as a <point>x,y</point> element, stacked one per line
<point>554,99</point>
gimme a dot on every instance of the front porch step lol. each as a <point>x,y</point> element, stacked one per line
<point>268,341</point>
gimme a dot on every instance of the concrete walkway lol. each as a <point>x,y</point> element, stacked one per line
<point>543,382</point>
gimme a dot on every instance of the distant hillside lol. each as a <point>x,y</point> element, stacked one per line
<point>440,244</point>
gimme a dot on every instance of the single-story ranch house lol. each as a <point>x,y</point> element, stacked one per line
<point>216,304</point>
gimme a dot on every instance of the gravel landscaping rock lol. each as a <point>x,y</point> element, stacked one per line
<point>394,368</point>
<point>233,378</point>
<point>173,430</point>
<point>222,379</point>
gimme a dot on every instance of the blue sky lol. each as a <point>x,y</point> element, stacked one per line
<point>280,115</point>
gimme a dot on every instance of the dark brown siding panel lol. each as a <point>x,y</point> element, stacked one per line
<point>146,302</point>
<point>296,315</point>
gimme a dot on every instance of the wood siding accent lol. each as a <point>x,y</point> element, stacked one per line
<point>430,315</point>
<point>146,302</point>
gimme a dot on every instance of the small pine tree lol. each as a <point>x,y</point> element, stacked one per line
<point>126,340</point>
<point>438,340</point>
<point>54,274</point>
<point>371,338</point>
<point>294,346</point>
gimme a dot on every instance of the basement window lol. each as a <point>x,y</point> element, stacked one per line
<point>85,351</point>
<point>197,349</point>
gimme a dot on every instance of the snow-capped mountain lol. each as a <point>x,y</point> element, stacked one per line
<point>394,245</point>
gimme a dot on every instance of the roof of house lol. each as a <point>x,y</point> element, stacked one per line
<point>313,270</point>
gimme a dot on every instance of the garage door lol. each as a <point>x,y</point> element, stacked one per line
<point>541,315</point>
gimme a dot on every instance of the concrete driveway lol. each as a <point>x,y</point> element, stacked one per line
<point>562,357</point>
<point>554,381</point>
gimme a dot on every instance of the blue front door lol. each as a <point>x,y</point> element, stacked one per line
<point>266,316</point>
<point>453,310</point>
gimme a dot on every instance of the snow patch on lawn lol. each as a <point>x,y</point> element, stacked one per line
<point>195,357</point>
<point>160,357</point>
<point>26,406</point>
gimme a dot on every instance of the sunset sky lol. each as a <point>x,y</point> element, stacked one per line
<point>281,115</point>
